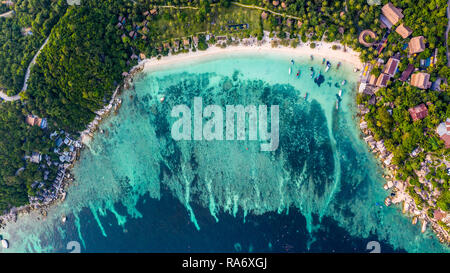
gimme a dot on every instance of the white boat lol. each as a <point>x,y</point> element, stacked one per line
<point>337,104</point>
<point>328,66</point>
<point>340,93</point>
<point>343,82</point>
<point>290,70</point>
<point>5,243</point>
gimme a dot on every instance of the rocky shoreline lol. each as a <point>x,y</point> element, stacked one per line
<point>399,195</point>
<point>85,136</point>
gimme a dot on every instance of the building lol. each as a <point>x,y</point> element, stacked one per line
<point>418,112</point>
<point>35,158</point>
<point>186,43</point>
<point>408,71</point>
<point>403,31</point>
<point>382,80</point>
<point>392,14</point>
<point>443,130</point>
<point>264,15</point>
<point>372,80</point>
<point>391,67</point>
<point>195,41</point>
<point>421,80</point>
<point>416,45</point>
<point>275,3</point>
<point>36,121</point>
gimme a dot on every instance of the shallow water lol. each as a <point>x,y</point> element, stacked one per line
<point>137,189</point>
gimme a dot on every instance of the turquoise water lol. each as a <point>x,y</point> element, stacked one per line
<point>137,189</point>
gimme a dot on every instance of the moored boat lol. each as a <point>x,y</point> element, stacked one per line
<point>5,243</point>
<point>298,73</point>
<point>343,82</point>
<point>323,60</point>
<point>328,66</point>
<point>290,71</point>
<point>338,65</point>
<point>312,72</point>
<point>340,93</point>
<point>337,104</point>
<point>306,95</point>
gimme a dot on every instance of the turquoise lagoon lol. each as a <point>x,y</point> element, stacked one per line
<point>138,190</point>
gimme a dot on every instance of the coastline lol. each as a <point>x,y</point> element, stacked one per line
<point>253,46</point>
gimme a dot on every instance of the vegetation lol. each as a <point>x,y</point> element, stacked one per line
<point>18,48</point>
<point>88,51</point>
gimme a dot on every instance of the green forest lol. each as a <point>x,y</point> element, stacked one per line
<point>17,47</point>
<point>88,50</point>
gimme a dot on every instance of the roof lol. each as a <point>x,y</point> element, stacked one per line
<point>382,80</point>
<point>421,80</point>
<point>264,15</point>
<point>403,31</point>
<point>392,13</point>
<point>36,121</point>
<point>443,130</point>
<point>416,45</point>
<point>407,73</point>
<point>418,112</point>
<point>391,67</point>
<point>372,80</point>
<point>275,3</point>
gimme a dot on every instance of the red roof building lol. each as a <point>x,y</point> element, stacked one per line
<point>418,112</point>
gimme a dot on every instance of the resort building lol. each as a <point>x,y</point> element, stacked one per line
<point>264,15</point>
<point>382,80</point>
<point>418,112</point>
<point>443,130</point>
<point>195,41</point>
<point>416,45</point>
<point>421,80</point>
<point>367,33</point>
<point>408,71</point>
<point>391,13</point>
<point>35,158</point>
<point>373,80</point>
<point>36,121</point>
<point>403,31</point>
<point>275,3</point>
<point>391,67</point>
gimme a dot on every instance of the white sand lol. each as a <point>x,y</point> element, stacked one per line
<point>322,50</point>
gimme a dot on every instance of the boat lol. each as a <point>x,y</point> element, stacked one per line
<point>5,243</point>
<point>292,61</point>
<point>343,82</point>
<point>290,70</point>
<point>298,73</point>
<point>312,72</point>
<point>306,95</point>
<point>311,56</point>
<point>328,66</point>
<point>318,75</point>
<point>323,60</point>
<point>338,65</point>
<point>340,93</point>
<point>162,99</point>
<point>337,104</point>
<point>63,219</point>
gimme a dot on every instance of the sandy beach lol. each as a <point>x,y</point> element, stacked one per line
<point>322,50</point>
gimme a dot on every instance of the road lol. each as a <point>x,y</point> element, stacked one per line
<point>27,76</point>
